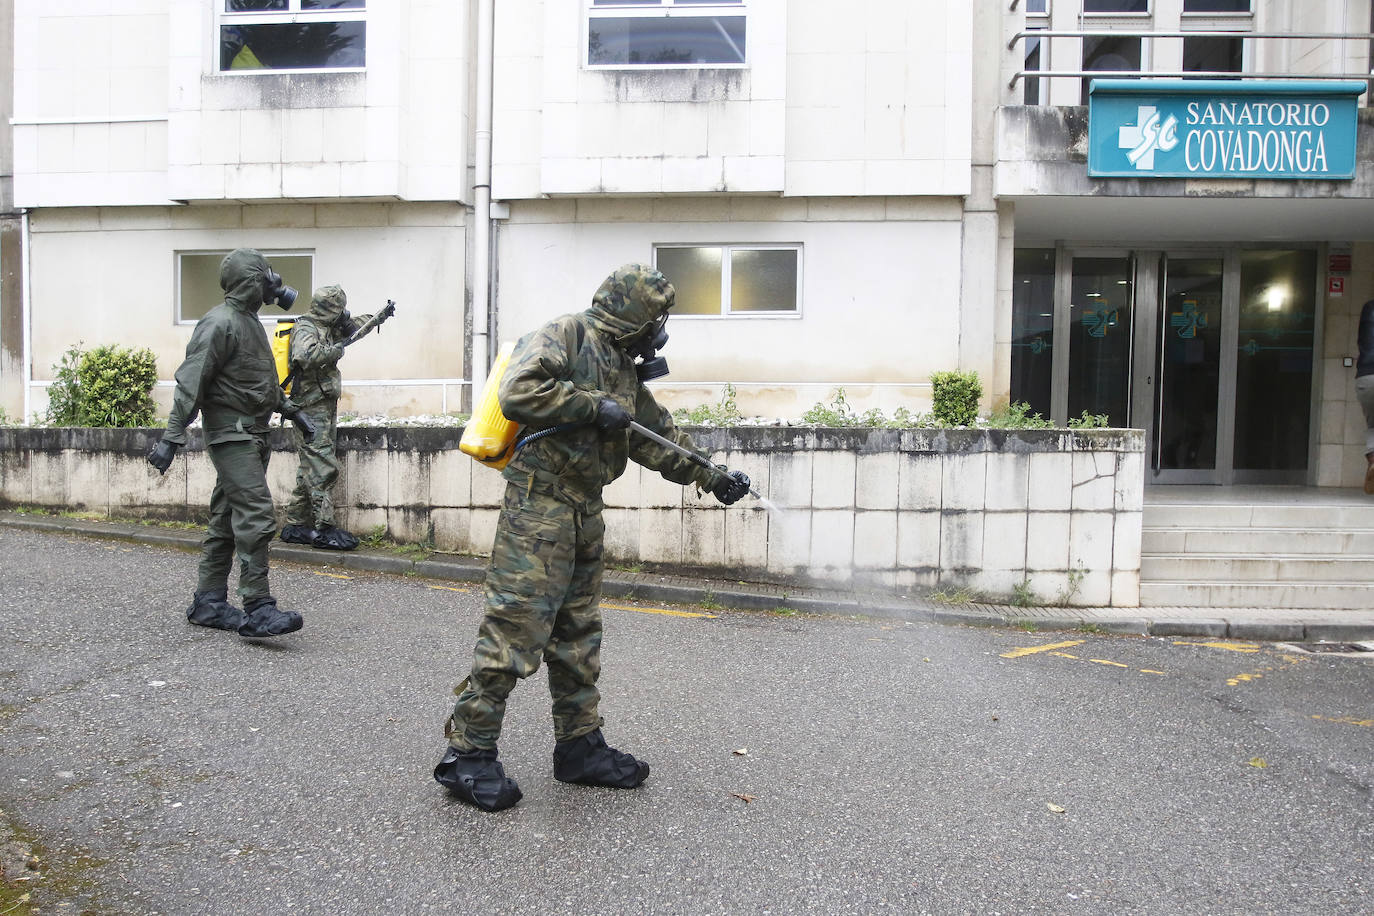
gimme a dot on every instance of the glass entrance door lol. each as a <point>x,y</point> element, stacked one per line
<point>1187,374</point>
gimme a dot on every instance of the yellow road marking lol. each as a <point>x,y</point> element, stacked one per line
<point>1240,678</point>
<point>1347,720</point>
<point>1064,655</point>
<point>1247,647</point>
<point>658,610</point>
<point>449,588</point>
<point>1103,661</point>
<point>1031,650</point>
<point>333,575</point>
<point>1150,671</point>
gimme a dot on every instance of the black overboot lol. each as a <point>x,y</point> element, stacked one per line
<point>262,617</point>
<point>587,761</point>
<point>331,538</point>
<point>211,608</point>
<point>298,534</point>
<point>477,778</point>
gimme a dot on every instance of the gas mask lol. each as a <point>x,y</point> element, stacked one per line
<point>274,290</point>
<point>346,325</point>
<point>648,365</point>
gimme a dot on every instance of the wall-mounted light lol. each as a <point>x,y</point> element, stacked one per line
<point>1276,297</point>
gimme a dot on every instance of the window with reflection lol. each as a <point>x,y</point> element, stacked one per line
<point>724,280</point>
<point>198,289</point>
<point>1032,328</point>
<point>666,33</point>
<point>268,35</point>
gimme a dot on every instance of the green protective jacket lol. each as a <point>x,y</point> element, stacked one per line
<point>229,376</point>
<point>315,350</point>
<point>559,373</point>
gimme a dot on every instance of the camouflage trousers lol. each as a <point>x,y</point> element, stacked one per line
<point>311,504</point>
<point>542,589</point>
<point>241,518</point>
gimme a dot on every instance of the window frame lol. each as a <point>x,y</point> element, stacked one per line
<point>1116,14</point>
<point>179,320</point>
<point>656,9</point>
<point>726,248</point>
<point>292,15</point>
<point>1188,15</point>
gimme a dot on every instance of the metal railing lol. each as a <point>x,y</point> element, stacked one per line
<point>1179,74</point>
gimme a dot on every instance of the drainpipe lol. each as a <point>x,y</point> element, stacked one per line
<point>26,310</point>
<point>481,223</point>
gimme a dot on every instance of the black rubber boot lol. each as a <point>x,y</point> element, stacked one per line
<point>262,617</point>
<point>298,534</point>
<point>330,538</point>
<point>212,609</point>
<point>477,778</point>
<point>587,761</point>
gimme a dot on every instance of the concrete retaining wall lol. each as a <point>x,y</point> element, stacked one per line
<point>991,510</point>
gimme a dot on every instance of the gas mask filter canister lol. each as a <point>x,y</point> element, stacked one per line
<point>274,290</point>
<point>649,365</point>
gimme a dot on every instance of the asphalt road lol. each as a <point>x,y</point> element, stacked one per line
<point>801,764</point>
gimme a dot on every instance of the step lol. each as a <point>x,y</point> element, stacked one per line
<point>1230,567</point>
<point>1327,541</point>
<point>1256,595</point>
<point>1222,515</point>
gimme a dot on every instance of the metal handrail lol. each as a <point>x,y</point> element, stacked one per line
<point>1186,33</point>
<point>1183,74</point>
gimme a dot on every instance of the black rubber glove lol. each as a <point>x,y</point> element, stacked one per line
<point>731,488</point>
<point>298,417</point>
<point>162,454</point>
<point>611,416</point>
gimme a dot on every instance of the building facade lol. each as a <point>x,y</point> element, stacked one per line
<point>848,200</point>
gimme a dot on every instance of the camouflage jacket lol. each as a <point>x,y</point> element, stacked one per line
<point>315,338</point>
<point>229,375</point>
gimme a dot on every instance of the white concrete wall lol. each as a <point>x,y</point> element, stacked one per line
<point>880,296</point>
<point>107,276</point>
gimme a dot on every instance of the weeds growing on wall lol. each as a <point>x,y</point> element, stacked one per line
<point>1017,415</point>
<point>108,386</point>
<point>839,413</point>
<point>724,413</point>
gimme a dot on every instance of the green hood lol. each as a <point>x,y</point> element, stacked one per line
<point>240,276</point>
<point>327,304</point>
<point>630,302</point>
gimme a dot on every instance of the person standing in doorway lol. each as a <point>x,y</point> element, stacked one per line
<point>1364,388</point>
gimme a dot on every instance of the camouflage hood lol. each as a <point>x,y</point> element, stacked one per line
<point>327,304</point>
<point>240,276</point>
<point>630,302</point>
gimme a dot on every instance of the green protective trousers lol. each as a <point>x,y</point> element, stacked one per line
<point>241,518</point>
<point>312,504</point>
<point>542,590</point>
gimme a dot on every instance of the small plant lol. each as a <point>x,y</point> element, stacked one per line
<point>1091,628</point>
<point>1089,421</point>
<point>1017,415</point>
<point>5,419</point>
<point>954,397</point>
<point>1028,626</point>
<point>1023,596</point>
<point>783,610</point>
<point>960,596</point>
<point>836,413</point>
<point>375,538</point>
<point>709,601</point>
<point>1067,593</point>
<point>724,413</point>
<point>109,386</point>
<point>64,394</point>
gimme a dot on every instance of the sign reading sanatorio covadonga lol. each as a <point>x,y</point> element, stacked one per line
<point>1222,129</point>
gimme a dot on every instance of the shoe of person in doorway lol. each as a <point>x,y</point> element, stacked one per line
<point>477,778</point>
<point>587,761</point>
<point>262,617</point>
<point>328,537</point>
<point>298,534</point>
<point>1369,476</point>
<point>211,608</point>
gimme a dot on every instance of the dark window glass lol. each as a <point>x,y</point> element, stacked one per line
<point>1037,6</point>
<point>1216,6</point>
<point>200,291</point>
<point>1032,328</point>
<point>763,280</point>
<point>695,274</point>
<point>1034,61</point>
<point>1110,53</point>
<point>1100,302</point>
<point>1217,54</point>
<point>332,4</point>
<point>293,46</point>
<point>665,40</point>
<point>1189,360</point>
<point>254,6</point>
<point>1116,6</point>
<point>1274,365</point>
<point>627,2</point>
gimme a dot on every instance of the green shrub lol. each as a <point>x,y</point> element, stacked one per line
<point>955,397</point>
<point>725,413</point>
<point>1017,415</point>
<point>1089,421</point>
<point>107,386</point>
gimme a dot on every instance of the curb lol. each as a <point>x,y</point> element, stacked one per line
<point>1278,626</point>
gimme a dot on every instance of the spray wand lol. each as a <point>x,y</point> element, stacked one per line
<point>686,453</point>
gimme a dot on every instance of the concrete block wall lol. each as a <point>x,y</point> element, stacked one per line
<point>1055,511</point>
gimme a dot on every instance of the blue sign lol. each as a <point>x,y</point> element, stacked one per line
<point>1144,128</point>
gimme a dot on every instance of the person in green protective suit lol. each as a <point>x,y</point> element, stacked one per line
<point>229,377</point>
<point>577,378</point>
<point>316,347</point>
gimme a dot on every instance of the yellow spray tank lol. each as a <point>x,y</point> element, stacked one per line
<point>489,437</point>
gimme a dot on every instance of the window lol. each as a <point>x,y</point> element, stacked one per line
<point>1216,6</point>
<point>1032,328</point>
<point>292,35</point>
<point>760,280</point>
<point>666,33</point>
<point>1037,7</point>
<point>198,288</point>
<point>1110,53</point>
<point>1213,54</point>
<point>1116,7</point>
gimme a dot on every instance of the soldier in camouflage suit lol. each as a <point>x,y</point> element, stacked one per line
<point>230,378</point>
<point>316,347</point>
<point>544,580</point>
